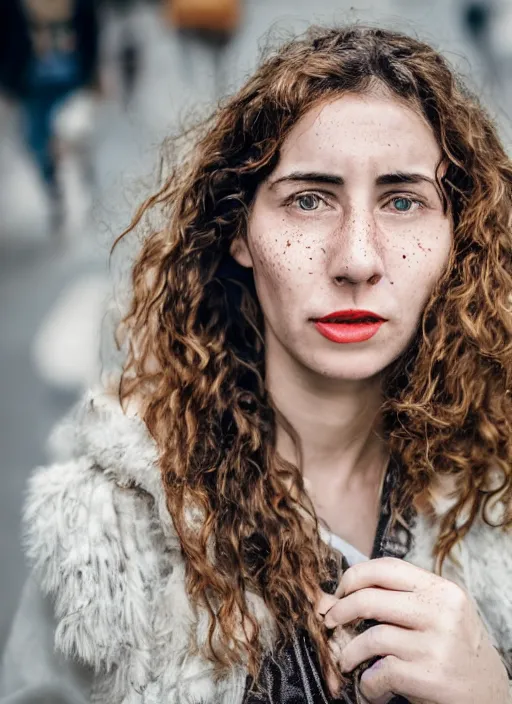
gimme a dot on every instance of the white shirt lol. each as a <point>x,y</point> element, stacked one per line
<point>352,554</point>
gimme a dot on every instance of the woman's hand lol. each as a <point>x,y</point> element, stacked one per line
<point>434,646</point>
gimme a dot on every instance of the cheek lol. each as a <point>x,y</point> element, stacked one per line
<point>424,249</point>
<point>271,264</point>
<point>431,255</point>
<point>281,255</point>
<point>420,260</point>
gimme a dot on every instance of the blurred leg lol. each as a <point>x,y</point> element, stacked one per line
<point>37,130</point>
<point>73,127</point>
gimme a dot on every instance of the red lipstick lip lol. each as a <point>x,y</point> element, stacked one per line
<point>349,316</point>
<point>349,326</point>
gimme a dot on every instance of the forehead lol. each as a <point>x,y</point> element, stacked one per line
<point>356,131</point>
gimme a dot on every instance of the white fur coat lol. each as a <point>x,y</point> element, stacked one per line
<point>103,546</point>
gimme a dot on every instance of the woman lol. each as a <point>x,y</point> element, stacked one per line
<point>318,372</point>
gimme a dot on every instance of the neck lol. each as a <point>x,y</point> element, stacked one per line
<point>337,425</point>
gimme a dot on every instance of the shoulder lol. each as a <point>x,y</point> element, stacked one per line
<point>487,559</point>
<point>116,439</point>
<point>92,531</point>
<point>102,474</point>
<point>97,447</point>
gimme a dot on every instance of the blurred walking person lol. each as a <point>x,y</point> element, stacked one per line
<point>128,55</point>
<point>49,66</point>
<point>488,24</point>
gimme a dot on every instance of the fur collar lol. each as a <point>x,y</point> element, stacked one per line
<point>102,544</point>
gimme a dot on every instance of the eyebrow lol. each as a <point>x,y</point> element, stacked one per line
<point>403,177</point>
<point>391,179</point>
<point>315,176</point>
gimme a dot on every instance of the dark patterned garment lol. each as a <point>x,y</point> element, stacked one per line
<point>295,678</point>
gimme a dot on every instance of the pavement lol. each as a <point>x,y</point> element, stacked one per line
<point>53,296</point>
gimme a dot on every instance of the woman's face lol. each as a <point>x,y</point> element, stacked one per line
<point>349,226</point>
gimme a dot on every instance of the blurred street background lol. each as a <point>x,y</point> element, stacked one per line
<point>61,210</point>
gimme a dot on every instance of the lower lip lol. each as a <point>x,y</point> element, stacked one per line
<point>345,333</point>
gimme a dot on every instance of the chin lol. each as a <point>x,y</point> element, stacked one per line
<point>361,374</point>
<point>357,366</point>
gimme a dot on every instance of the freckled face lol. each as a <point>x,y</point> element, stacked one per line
<point>351,218</point>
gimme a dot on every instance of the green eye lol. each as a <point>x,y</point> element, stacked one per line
<point>308,201</point>
<point>402,204</point>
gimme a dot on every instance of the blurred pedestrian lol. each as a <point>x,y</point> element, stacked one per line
<point>476,19</point>
<point>129,52</point>
<point>214,21</point>
<point>49,66</point>
<point>129,63</point>
<point>501,41</point>
<point>214,16</point>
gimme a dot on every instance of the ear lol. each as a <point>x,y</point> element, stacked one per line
<point>240,252</point>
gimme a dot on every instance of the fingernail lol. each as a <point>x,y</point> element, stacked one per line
<point>327,621</point>
<point>324,604</point>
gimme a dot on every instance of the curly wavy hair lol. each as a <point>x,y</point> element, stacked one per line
<point>196,347</point>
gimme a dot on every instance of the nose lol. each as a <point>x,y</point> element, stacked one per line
<point>355,252</point>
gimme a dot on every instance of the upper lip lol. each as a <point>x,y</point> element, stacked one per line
<point>350,315</point>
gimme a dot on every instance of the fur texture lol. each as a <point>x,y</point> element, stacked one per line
<point>102,544</point>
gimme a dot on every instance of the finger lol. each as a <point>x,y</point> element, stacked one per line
<point>387,573</point>
<point>378,640</point>
<point>324,603</point>
<point>393,675</point>
<point>397,608</point>
<point>383,680</point>
<point>384,700</point>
